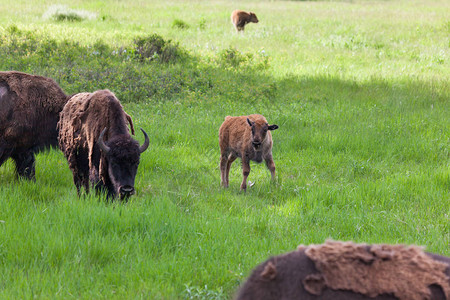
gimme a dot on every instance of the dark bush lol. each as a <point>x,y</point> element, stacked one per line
<point>154,47</point>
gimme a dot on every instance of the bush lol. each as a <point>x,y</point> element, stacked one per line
<point>61,13</point>
<point>180,24</point>
<point>233,58</point>
<point>154,47</point>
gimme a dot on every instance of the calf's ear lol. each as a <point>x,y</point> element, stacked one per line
<point>273,127</point>
<point>269,272</point>
<point>250,122</point>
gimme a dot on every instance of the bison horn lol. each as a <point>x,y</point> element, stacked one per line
<point>146,142</point>
<point>101,143</point>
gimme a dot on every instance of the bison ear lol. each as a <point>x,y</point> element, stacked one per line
<point>314,284</point>
<point>273,127</point>
<point>250,122</point>
<point>269,272</point>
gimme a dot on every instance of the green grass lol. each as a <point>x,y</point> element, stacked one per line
<point>359,89</point>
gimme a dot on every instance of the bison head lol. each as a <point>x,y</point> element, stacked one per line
<point>253,18</point>
<point>259,131</point>
<point>122,155</point>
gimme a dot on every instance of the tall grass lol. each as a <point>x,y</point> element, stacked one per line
<point>360,92</point>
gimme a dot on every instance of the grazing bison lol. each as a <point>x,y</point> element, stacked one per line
<point>29,112</point>
<point>87,120</point>
<point>348,271</point>
<point>240,18</point>
<point>249,138</point>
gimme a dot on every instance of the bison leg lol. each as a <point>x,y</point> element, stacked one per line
<point>25,164</point>
<point>271,166</point>
<point>223,169</point>
<point>245,172</point>
<point>4,154</point>
<point>231,159</point>
<point>79,165</point>
<point>81,180</point>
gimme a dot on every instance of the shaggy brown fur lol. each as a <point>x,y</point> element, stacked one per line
<point>29,112</point>
<point>405,272</point>
<point>309,273</point>
<point>81,123</point>
<point>249,138</point>
<point>240,18</point>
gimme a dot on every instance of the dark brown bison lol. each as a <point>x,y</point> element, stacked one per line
<point>87,120</point>
<point>348,271</point>
<point>249,138</point>
<point>29,112</point>
<point>240,18</point>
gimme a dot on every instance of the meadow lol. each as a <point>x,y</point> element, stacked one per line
<point>360,91</point>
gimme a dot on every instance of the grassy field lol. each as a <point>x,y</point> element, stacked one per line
<point>359,89</point>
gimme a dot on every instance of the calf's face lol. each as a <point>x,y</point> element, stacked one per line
<point>123,154</point>
<point>259,132</point>
<point>253,18</point>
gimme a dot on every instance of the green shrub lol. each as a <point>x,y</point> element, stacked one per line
<point>154,47</point>
<point>233,58</point>
<point>180,24</point>
<point>202,24</point>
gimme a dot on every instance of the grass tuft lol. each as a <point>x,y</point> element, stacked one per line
<point>179,24</point>
<point>62,13</point>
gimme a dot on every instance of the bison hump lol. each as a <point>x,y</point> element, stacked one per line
<point>406,272</point>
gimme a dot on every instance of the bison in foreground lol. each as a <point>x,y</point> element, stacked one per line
<point>29,111</point>
<point>348,271</point>
<point>87,120</point>
<point>240,18</point>
<point>249,138</point>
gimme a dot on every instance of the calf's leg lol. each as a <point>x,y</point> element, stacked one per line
<point>231,159</point>
<point>271,166</point>
<point>223,169</point>
<point>245,173</point>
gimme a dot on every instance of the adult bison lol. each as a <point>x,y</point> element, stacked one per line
<point>29,111</point>
<point>348,271</point>
<point>87,120</point>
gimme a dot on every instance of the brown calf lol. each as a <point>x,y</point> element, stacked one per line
<point>240,18</point>
<point>249,138</point>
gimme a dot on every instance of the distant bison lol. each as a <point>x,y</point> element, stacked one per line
<point>249,138</point>
<point>240,18</point>
<point>87,120</point>
<point>29,112</point>
<point>348,271</point>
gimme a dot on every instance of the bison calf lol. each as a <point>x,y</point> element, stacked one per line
<point>249,138</point>
<point>240,18</point>
<point>87,120</point>
<point>29,112</point>
<point>348,271</point>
